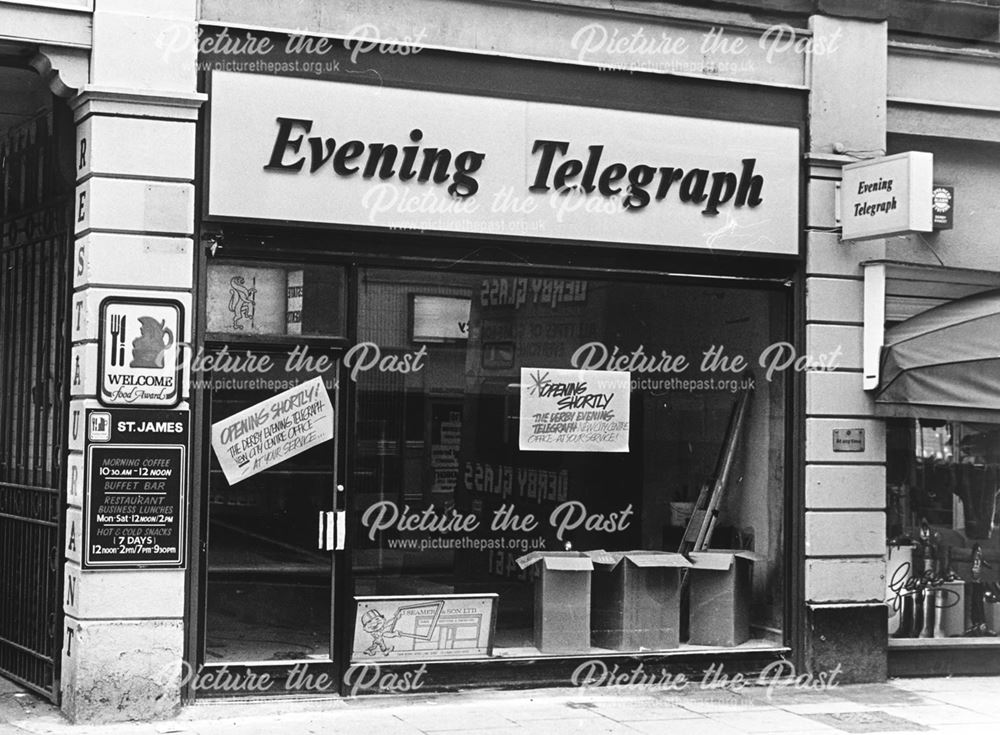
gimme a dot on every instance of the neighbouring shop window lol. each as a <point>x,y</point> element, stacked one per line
<point>295,300</point>
<point>446,501</point>
<point>943,479</point>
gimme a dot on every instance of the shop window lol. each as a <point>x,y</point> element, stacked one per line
<point>943,554</point>
<point>446,501</point>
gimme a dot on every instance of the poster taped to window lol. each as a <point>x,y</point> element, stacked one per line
<point>574,410</point>
<point>274,430</point>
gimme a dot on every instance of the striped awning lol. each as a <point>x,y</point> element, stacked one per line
<point>944,362</point>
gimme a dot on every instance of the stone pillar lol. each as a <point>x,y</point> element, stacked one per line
<point>844,494</point>
<point>134,225</point>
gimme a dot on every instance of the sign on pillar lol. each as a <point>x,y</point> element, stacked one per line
<point>135,500</point>
<point>139,352</point>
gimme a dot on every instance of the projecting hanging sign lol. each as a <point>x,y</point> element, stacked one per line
<point>887,196</point>
<point>324,152</point>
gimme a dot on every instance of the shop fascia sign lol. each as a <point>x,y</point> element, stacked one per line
<point>322,152</point>
<point>554,168</point>
<point>887,196</point>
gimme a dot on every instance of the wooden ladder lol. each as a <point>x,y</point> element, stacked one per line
<point>698,534</point>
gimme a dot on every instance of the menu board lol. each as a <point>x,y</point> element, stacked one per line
<point>134,505</point>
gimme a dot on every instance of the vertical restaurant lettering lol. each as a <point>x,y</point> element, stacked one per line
<point>638,184</point>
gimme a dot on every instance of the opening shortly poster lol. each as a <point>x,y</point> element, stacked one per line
<point>574,410</point>
<point>273,430</point>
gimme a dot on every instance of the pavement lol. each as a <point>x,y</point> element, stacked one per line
<point>957,705</point>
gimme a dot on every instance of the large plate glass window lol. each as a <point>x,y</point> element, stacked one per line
<point>576,535</point>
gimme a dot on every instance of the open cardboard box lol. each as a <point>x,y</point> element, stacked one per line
<point>635,602</point>
<point>562,600</point>
<point>721,588</point>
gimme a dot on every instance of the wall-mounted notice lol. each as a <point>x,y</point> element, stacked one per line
<point>134,503</point>
<point>138,352</point>
<point>848,440</point>
<point>574,410</point>
<point>273,430</point>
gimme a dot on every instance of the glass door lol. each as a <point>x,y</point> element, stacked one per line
<point>271,533</point>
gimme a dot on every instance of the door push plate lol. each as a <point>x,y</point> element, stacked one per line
<point>327,522</point>
<point>341,530</point>
<point>332,533</point>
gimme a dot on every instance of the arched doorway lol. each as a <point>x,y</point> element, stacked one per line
<point>36,281</point>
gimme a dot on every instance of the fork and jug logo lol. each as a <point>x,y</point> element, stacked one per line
<point>138,348</point>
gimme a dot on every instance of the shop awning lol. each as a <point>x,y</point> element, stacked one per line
<point>944,363</point>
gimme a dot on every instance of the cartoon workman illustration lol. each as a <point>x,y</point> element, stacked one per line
<point>379,628</point>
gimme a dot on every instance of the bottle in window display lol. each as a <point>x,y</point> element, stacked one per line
<point>926,594</point>
<point>899,571</point>
<point>978,594</point>
<point>950,608</point>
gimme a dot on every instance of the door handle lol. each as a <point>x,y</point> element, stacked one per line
<point>340,531</point>
<point>332,534</point>
<point>327,521</point>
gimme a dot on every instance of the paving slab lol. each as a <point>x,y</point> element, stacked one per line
<point>769,721</point>
<point>718,701</point>
<point>452,718</point>
<point>966,730</point>
<point>831,705</point>
<point>940,714</point>
<point>983,702</point>
<point>645,709</point>
<point>870,722</point>
<point>574,725</point>
<point>700,726</point>
<point>880,693</point>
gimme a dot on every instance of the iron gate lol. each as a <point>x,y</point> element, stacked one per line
<point>35,287</point>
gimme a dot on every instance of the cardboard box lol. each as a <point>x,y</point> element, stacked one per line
<point>635,601</point>
<point>562,600</point>
<point>721,587</point>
